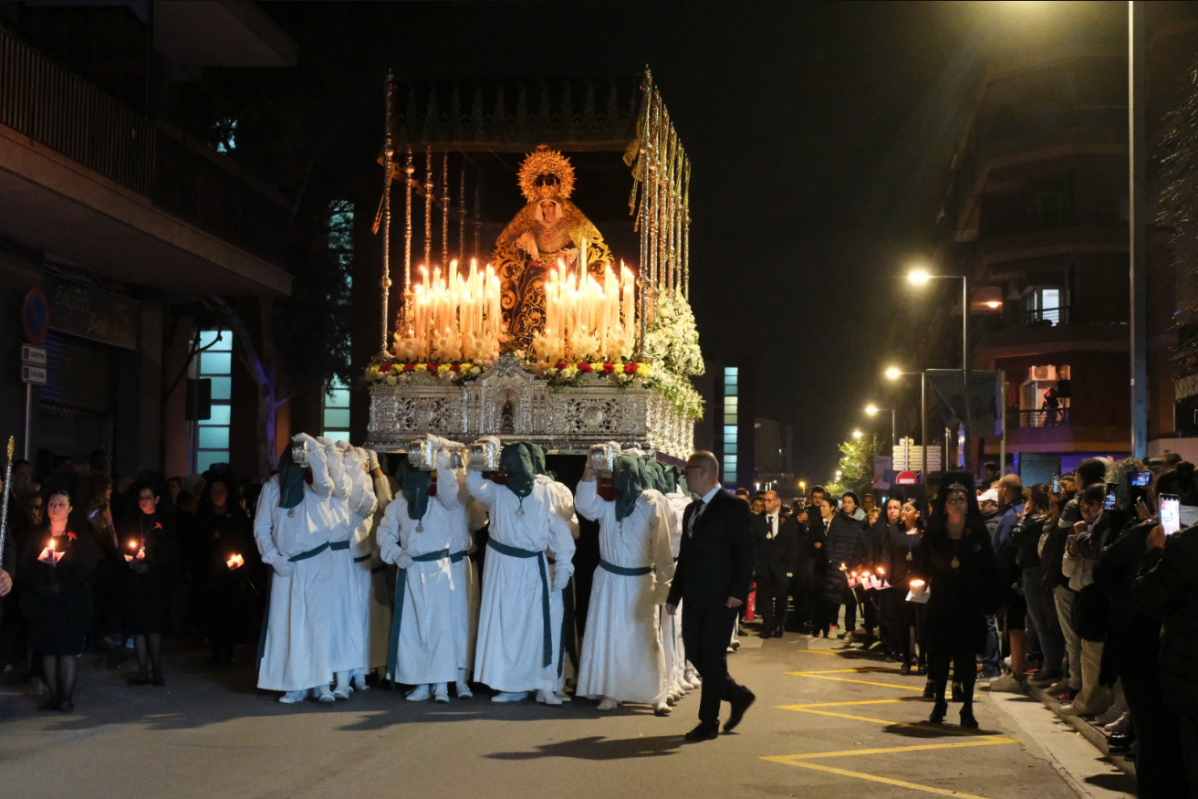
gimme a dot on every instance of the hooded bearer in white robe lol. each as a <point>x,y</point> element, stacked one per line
<point>561,603</point>
<point>419,533</point>
<point>347,636</point>
<point>378,609</point>
<point>622,658</point>
<point>362,506</point>
<point>291,528</point>
<point>514,652</point>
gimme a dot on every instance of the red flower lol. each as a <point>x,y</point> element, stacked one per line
<point>560,365</point>
<point>609,367</point>
<point>384,368</point>
<point>409,367</point>
<point>72,536</point>
<point>157,525</point>
<point>455,367</point>
<point>630,368</point>
<point>585,367</point>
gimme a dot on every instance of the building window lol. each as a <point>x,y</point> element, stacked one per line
<point>215,363</point>
<point>1044,307</point>
<point>731,417</point>
<point>335,411</point>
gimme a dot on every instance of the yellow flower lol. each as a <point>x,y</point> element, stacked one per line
<point>642,370</point>
<point>443,368</point>
<point>421,367</point>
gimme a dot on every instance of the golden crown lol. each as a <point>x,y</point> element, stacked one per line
<point>543,162</point>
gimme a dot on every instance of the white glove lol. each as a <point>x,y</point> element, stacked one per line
<point>303,438</point>
<point>326,444</point>
<point>404,561</point>
<point>341,446</point>
<point>561,578</point>
<point>389,552</point>
<point>282,566</point>
<point>372,459</point>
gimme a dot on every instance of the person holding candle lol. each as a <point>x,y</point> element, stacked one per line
<point>514,651</point>
<point>56,565</point>
<point>232,569</point>
<point>151,552</point>
<point>292,525</point>
<point>956,560</point>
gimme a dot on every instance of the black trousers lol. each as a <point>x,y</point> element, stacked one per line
<point>773,591</point>
<point>963,658</point>
<point>898,620</point>
<point>1160,762</point>
<point>706,632</point>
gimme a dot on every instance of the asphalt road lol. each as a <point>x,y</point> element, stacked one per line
<point>828,721</point>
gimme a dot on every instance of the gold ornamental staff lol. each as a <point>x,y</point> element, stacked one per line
<point>4,499</point>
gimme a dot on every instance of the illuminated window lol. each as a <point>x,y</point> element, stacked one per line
<point>215,363</point>
<point>336,411</point>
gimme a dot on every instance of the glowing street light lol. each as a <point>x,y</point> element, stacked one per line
<point>871,410</point>
<point>919,276</point>
<point>857,434</point>
<point>894,373</point>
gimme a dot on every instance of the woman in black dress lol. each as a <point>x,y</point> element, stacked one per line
<point>56,566</point>
<point>957,561</point>
<point>232,568</point>
<point>151,552</point>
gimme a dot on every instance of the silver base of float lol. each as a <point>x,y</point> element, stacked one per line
<point>514,404</point>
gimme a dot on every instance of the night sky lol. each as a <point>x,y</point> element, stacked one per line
<point>820,134</point>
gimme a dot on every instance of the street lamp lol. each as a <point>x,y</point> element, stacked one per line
<point>920,277</point>
<point>894,373</point>
<point>873,410</point>
<point>857,434</point>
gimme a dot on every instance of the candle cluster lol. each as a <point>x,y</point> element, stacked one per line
<point>586,319</point>
<point>452,317</point>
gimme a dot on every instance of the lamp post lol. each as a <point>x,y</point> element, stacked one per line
<point>920,277</point>
<point>874,410</point>
<point>857,434</point>
<point>894,373</point>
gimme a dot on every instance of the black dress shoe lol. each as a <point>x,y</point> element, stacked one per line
<point>66,707</point>
<point>967,720</point>
<point>49,704</point>
<point>141,679</point>
<point>938,712</point>
<point>929,690</point>
<point>906,669</point>
<point>778,633</point>
<point>740,704</point>
<point>704,732</point>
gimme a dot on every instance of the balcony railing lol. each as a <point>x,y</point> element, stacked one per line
<point>1044,418</point>
<point>46,101</point>
<point>1048,317</point>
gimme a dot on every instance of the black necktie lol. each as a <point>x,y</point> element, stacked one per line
<point>695,517</point>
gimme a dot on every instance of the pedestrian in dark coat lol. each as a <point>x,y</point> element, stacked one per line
<point>151,551</point>
<point>777,538</point>
<point>846,550</point>
<point>1166,588</point>
<point>55,567</point>
<point>957,562</point>
<point>233,569</point>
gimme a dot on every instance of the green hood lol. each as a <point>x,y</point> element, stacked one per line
<point>655,475</point>
<point>516,461</point>
<point>415,485</point>
<point>629,480</point>
<point>291,480</point>
<point>538,461</point>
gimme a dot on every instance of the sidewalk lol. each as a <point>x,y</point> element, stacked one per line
<point>1091,731</point>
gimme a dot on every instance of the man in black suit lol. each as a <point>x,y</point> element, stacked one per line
<point>777,538</point>
<point>713,575</point>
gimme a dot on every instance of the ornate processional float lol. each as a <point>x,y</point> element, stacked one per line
<point>552,338</point>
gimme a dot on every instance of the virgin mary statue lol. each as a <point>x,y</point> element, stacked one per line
<point>548,229</point>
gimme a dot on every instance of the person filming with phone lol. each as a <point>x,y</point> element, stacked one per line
<point>1165,590</point>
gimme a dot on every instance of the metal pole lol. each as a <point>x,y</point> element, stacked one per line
<point>965,371</point>
<point>893,429</point>
<point>1002,410</point>
<point>28,421</point>
<point>923,423</point>
<point>1137,150</point>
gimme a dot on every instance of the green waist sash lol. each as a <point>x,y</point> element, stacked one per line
<point>624,570</point>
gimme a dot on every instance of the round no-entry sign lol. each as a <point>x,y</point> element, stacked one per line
<point>906,479</point>
<point>35,316</point>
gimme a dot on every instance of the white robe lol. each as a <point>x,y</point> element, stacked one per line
<point>378,609</point>
<point>347,636</point>
<point>465,572</point>
<point>510,648</point>
<point>671,626</point>
<point>622,655</point>
<point>429,633</point>
<point>563,505</point>
<point>296,655</point>
<point>362,506</point>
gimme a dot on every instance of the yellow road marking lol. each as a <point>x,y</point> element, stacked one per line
<point>861,682</point>
<point>841,704</point>
<point>804,709</point>
<point>884,780</point>
<point>858,670</point>
<point>988,740</point>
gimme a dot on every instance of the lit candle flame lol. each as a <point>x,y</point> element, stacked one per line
<point>917,583</point>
